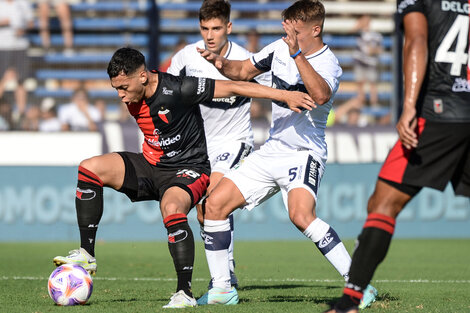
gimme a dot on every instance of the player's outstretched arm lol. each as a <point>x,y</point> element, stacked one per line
<point>414,65</point>
<point>233,69</point>
<point>295,100</point>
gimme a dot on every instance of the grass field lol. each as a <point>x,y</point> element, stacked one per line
<point>417,276</point>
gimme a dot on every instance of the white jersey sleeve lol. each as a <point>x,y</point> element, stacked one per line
<point>177,63</point>
<point>303,130</point>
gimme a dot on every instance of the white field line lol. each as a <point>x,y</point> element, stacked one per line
<point>403,281</point>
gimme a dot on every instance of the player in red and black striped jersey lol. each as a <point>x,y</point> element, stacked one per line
<point>434,130</point>
<point>173,168</point>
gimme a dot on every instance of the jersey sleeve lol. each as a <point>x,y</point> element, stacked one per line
<point>177,66</point>
<point>263,59</point>
<point>197,90</point>
<point>405,6</point>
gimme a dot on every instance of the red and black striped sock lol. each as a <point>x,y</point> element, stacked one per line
<point>181,246</point>
<point>372,246</point>
<point>89,206</point>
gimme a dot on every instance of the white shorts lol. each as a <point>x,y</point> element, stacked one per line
<point>269,169</point>
<point>226,156</point>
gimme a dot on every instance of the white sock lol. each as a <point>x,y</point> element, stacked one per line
<point>329,244</point>
<point>217,241</point>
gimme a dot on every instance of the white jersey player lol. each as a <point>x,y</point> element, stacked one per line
<point>228,127</point>
<point>293,158</point>
<point>228,130</point>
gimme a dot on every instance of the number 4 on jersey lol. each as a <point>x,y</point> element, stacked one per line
<point>459,57</point>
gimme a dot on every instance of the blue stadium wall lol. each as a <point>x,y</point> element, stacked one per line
<point>37,202</point>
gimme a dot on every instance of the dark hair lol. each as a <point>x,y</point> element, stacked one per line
<point>211,9</point>
<point>305,11</point>
<point>125,60</point>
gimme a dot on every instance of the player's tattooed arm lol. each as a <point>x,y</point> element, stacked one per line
<point>297,101</point>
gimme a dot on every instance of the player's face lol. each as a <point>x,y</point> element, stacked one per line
<point>214,32</point>
<point>130,88</point>
<point>306,33</point>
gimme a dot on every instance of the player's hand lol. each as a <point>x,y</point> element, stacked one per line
<point>298,101</point>
<point>213,58</point>
<point>291,37</point>
<point>406,128</point>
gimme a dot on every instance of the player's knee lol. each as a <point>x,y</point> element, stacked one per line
<point>214,208</point>
<point>91,164</point>
<point>300,219</point>
<point>383,205</point>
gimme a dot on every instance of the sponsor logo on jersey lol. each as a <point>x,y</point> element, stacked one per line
<point>201,85</point>
<point>280,61</point>
<point>461,85</point>
<point>85,194</point>
<point>165,115</point>
<point>230,100</point>
<point>455,6</point>
<point>404,4</point>
<point>167,92</point>
<point>325,241</point>
<point>164,141</point>
<point>173,153</point>
<point>177,236</point>
<point>156,132</point>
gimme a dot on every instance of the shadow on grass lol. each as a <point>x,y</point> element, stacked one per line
<point>311,298</point>
<point>284,286</point>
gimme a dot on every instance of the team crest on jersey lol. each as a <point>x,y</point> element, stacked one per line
<point>165,115</point>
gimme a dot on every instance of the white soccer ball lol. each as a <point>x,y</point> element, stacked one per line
<point>70,284</point>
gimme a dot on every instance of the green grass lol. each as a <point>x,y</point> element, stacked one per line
<point>291,276</point>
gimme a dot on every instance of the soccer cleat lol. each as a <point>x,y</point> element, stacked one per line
<point>80,257</point>
<point>370,293</point>
<point>233,281</point>
<point>180,300</point>
<point>219,296</point>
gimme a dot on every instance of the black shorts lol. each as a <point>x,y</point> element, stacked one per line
<point>442,156</point>
<point>144,181</point>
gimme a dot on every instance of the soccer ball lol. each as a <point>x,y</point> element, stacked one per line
<point>70,284</point>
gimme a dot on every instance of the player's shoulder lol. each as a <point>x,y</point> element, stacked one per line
<point>236,52</point>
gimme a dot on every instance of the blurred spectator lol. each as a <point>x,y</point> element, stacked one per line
<point>49,121</point>
<point>16,16</point>
<point>5,115</point>
<point>259,123</point>
<point>252,41</point>
<point>101,105</point>
<point>79,115</point>
<point>366,59</point>
<point>31,119</point>
<point>366,71</point>
<point>65,17</point>
<point>167,62</point>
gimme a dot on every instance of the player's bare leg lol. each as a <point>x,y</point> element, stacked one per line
<point>301,204</point>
